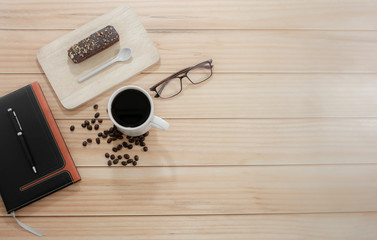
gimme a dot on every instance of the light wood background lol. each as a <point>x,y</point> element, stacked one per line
<point>279,144</point>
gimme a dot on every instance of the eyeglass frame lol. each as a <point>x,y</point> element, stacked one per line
<point>175,75</point>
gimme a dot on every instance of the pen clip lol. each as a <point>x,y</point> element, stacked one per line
<point>15,117</point>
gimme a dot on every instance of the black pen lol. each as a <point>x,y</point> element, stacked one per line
<point>17,125</point>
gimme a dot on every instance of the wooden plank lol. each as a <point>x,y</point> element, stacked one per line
<point>295,226</point>
<point>201,142</point>
<point>232,51</point>
<point>214,190</point>
<point>197,14</point>
<point>238,96</point>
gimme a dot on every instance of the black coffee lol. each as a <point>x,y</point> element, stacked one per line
<point>130,108</point>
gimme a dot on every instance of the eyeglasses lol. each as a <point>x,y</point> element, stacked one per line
<point>172,85</point>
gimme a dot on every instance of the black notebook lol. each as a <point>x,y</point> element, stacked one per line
<point>35,161</point>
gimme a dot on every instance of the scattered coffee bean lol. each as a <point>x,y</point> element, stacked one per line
<point>129,161</point>
<point>126,156</point>
<point>120,137</point>
<point>134,163</point>
<point>124,163</point>
<point>93,120</point>
<point>129,146</point>
<point>114,149</point>
<point>106,132</point>
<point>89,140</point>
<point>99,120</point>
<point>136,157</point>
<point>96,127</point>
<point>128,137</point>
<point>146,134</point>
<point>104,136</point>
<point>111,130</point>
<point>131,140</point>
<point>112,156</point>
<point>84,143</point>
<point>145,149</point>
<point>109,163</point>
<point>124,144</point>
<point>109,140</point>
<point>86,122</point>
<point>96,115</point>
<point>116,161</point>
<point>142,144</point>
<point>89,127</point>
<point>83,125</point>
<point>100,134</point>
<point>98,141</point>
<point>95,106</point>
<point>72,128</point>
<point>119,147</point>
<point>107,155</point>
<point>119,156</point>
<point>142,138</point>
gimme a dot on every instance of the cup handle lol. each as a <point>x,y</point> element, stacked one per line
<point>159,123</point>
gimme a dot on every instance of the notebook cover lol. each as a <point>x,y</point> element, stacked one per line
<point>19,185</point>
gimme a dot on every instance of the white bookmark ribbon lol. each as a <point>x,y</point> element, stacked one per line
<point>26,227</point>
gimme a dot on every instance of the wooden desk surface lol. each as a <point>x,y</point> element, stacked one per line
<point>279,144</point>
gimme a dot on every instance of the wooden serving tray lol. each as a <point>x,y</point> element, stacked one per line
<point>63,73</point>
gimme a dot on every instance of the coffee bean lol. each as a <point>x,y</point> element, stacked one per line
<point>114,149</point>
<point>124,144</point>
<point>113,138</point>
<point>95,106</point>
<point>109,140</point>
<point>131,140</point>
<point>106,132</point>
<point>86,122</point>
<point>136,157</point>
<point>100,134</point>
<point>93,120</point>
<point>142,144</point>
<point>134,163</point>
<point>99,120</point>
<point>146,134</point>
<point>89,127</point>
<point>96,127</point>
<point>112,156</point>
<point>98,141</point>
<point>129,161</point>
<point>107,155</point>
<point>145,149</point>
<point>124,163</point>
<point>111,129</point>
<point>83,125</point>
<point>142,138</point>
<point>116,161</point>
<point>109,163</point>
<point>119,156</point>
<point>137,142</point>
<point>128,137</point>
<point>120,137</point>
<point>84,143</point>
<point>119,147</point>
<point>129,146</point>
<point>104,136</point>
<point>89,140</point>
<point>72,128</point>
<point>126,156</point>
<point>96,115</point>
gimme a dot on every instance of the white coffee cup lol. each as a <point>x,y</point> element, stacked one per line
<point>152,120</point>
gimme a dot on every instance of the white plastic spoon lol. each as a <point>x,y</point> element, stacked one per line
<point>123,55</point>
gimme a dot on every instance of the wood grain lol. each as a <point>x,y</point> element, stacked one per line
<point>272,51</point>
<point>213,190</point>
<point>345,226</point>
<point>211,142</point>
<point>197,14</point>
<point>238,96</point>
